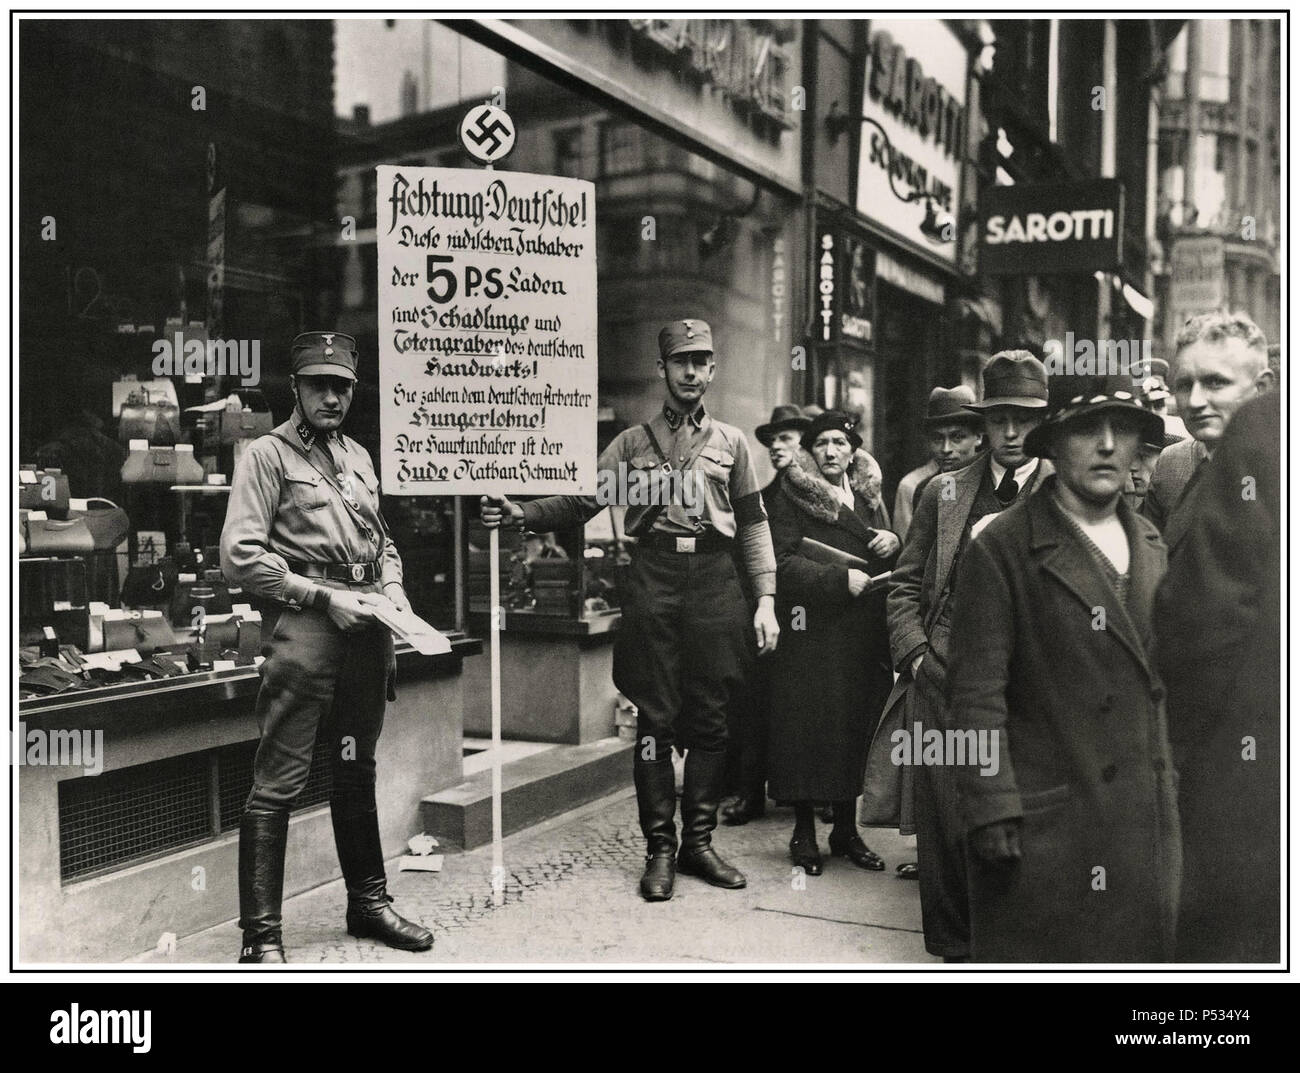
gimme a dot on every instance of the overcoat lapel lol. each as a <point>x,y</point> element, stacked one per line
<point>1057,550</point>
<point>952,520</point>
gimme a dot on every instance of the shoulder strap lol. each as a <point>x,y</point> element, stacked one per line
<point>654,442</point>
<point>652,513</point>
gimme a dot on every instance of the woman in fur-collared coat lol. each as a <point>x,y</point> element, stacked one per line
<point>832,669</point>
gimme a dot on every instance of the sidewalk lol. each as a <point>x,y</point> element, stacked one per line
<point>571,897</point>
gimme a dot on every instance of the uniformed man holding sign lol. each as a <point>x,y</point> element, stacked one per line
<point>303,533</point>
<point>679,654</point>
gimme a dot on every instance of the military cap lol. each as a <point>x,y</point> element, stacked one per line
<point>685,335</point>
<point>324,354</point>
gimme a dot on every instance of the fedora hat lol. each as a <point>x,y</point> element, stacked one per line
<point>784,417</point>
<point>947,406</point>
<point>1013,378</point>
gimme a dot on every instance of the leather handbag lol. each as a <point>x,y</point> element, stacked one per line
<point>161,465</point>
<point>44,582</point>
<point>144,631</point>
<point>159,423</point>
<point>52,537</point>
<point>143,392</point>
<point>151,585</point>
<point>43,489</point>
<point>108,523</point>
<point>245,424</point>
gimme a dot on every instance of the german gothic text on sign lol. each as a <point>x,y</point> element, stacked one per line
<point>487,332</point>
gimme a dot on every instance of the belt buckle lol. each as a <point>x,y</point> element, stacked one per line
<point>358,572</point>
<point>686,545</point>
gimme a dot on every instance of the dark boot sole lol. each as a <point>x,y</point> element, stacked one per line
<point>710,880</point>
<point>657,897</point>
<point>414,947</point>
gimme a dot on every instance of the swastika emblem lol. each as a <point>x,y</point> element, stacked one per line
<point>487,133</point>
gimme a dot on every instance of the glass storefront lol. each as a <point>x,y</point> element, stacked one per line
<point>200,181</point>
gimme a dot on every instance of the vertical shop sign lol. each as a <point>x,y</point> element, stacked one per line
<point>487,332</point>
<point>826,307</point>
<point>779,291</point>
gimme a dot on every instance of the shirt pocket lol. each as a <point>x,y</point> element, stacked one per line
<point>306,489</point>
<point>716,463</point>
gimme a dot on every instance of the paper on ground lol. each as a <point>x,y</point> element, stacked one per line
<point>430,862</point>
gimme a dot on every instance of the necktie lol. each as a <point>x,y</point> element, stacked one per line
<point>1007,488</point>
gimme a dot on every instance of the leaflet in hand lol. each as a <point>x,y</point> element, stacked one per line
<point>407,625</point>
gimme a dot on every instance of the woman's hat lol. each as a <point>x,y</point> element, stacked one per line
<point>1150,426</point>
<point>783,417</point>
<point>831,420</point>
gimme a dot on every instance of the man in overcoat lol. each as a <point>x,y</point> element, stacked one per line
<point>1073,844</point>
<point>1218,621</point>
<point>920,612</point>
<point>1222,362</point>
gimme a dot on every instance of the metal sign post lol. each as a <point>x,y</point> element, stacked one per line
<point>488,135</point>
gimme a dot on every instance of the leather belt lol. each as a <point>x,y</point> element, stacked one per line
<point>352,573</point>
<point>686,545</point>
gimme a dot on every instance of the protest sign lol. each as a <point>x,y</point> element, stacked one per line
<point>487,332</point>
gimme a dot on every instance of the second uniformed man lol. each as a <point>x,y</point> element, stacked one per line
<point>304,534</point>
<point>679,654</point>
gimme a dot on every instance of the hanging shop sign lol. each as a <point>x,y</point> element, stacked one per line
<point>914,97</point>
<point>487,332</point>
<point>1052,228</point>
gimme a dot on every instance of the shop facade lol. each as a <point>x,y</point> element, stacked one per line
<point>205,204</point>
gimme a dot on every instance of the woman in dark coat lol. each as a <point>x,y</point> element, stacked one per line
<point>832,671</point>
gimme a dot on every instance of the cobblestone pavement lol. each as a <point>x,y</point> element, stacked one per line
<point>571,898</point>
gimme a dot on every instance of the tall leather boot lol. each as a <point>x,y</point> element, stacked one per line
<point>656,802</point>
<point>705,773</point>
<point>263,835</point>
<point>361,857</point>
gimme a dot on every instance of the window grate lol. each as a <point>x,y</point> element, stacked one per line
<point>111,820</point>
<point>120,816</point>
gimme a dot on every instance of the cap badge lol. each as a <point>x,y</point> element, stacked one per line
<point>328,337</point>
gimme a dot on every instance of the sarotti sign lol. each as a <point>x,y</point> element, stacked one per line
<point>1052,229</point>
<point>915,90</point>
